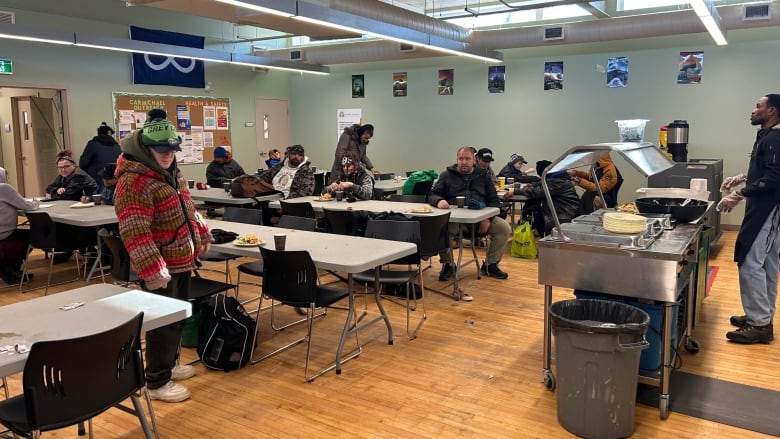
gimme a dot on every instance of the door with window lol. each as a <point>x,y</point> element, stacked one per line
<point>272,127</point>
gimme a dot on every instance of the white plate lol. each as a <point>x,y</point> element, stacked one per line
<point>81,205</point>
<point>238,243</point>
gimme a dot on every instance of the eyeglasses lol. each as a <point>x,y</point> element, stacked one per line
<point>65,167</point>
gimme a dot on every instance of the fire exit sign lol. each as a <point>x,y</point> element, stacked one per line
<point>6,67</point>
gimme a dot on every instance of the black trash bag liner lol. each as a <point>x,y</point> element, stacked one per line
<point>598,316</point>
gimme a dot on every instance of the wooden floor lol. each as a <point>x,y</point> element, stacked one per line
<point>474,371</point>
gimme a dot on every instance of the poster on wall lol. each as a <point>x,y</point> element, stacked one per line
<point>183,117</point>
<point>691,65</point>
<point>358,86</point>
<point>223,120</point>
<point>617,72</point>
<point>209,117</point>
<point>446,82</point>
<point>346,117</point>
<point>553,75</point>
<point>399,84</point>
<point>496,79</point>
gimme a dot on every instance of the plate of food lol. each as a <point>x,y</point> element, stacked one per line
<point>422,209</point>
<point>324,197</point>
<point>81,205</point>
<point>248,240</point>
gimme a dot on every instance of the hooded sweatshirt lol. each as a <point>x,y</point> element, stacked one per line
<point>302,184</point>
<point>609,179</point>
<point>349,142</point>
<point>158,223</point>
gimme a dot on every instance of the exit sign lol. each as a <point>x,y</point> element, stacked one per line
<point>6,67</point>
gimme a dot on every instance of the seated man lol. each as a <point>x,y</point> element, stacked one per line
<point>356,181</point>
<point>484,159</point>
<point>292,176</point>
<point>109,184</point>
<point>514,169</point>
<point>223,168</point>
<point>564,197</point>
<point>465,179</point>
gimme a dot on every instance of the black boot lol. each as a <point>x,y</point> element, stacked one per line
<point>750,334</point>
<point>738,321</point>
<point>492,270</point>
<point>447,271</point>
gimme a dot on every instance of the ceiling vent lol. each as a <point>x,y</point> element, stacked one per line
<point>553,33</point>
<point>297,55</point>
<point>406,47</point>
<point>757,11</point>
<point>7,17</point>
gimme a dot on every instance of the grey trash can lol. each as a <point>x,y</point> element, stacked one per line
<point>598,345</point>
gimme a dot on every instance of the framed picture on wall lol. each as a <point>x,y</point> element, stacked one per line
<point>446,84</point>
<point>399,84</point>
<point>358,86</point>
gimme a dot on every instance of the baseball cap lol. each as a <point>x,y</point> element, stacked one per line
<point>159,133</point>
<point>485,154</point>
<point>296,149</point>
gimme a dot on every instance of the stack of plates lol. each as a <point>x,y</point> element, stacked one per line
<point>621,222</point>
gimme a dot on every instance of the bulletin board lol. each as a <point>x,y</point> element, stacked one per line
<point>203,122</point>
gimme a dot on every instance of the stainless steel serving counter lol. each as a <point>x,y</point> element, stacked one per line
<point>660,273</point>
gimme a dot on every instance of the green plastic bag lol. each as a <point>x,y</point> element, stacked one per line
<point>523,243</point>
<point>417,176</point>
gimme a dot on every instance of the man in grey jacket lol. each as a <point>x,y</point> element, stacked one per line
<point>354,139</point>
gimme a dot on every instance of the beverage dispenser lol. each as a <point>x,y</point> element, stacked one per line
<point>677,140</point>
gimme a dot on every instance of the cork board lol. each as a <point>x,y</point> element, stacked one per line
<point>203,122</point>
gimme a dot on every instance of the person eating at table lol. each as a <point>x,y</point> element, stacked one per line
<point>292,176</point>
<point>13,240</point>
<point>72,183</point>
<point>355,181</point>
<point>465,179</point>
<point>514,169</point>
<point>164,235</point>
<point>223,169</point>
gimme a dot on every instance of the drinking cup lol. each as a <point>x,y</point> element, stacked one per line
<point>510,181</point>
<point>339,195</point>
<point>501,183</point>
<point>313,169</point>
<point>226,186</point>
<point>191,184</point>
<point>280,239</point>
<point>461,202</point>
<point>96,199</point>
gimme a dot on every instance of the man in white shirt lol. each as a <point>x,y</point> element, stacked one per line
<point>293,175</point>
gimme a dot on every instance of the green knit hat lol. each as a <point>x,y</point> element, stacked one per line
<point>159,133</point>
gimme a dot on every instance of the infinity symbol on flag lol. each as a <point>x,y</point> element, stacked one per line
<point>169,61</point>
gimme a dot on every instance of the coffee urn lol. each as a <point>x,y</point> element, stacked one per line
<point>677,140</point>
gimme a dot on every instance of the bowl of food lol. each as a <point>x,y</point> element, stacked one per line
<point>683,210</point>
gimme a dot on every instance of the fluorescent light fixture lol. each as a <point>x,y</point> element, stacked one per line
<point>149,48</point>
<point>277,64</point>
<point>281,8</point>
<point>332,18</point>
<point>26,33</point>
<point>709,16</point>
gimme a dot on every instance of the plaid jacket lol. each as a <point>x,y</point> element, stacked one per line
<point>153,224</point>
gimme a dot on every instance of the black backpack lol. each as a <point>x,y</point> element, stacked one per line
<point>226,335</point>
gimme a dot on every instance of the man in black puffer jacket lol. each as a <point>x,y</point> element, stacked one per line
<point>99,152</point>
<point>565,198</point>
<point>466,179</point>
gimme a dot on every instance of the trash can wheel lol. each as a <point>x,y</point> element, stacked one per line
<point>691,345</point>
<point>549,380</point>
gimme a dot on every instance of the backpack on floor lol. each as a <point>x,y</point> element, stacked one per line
<point>226,335</point>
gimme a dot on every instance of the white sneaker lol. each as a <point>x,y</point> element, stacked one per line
<point>170,392</point>
<point>182,372</point>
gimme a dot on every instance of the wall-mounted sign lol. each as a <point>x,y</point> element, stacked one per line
<point>6,67</point>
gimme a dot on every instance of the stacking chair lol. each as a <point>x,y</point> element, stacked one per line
<point>43,236</point>
<point>409,198</point>
<point>435,238</point>
<point>255,268</point>
<point>290,277</point>
<point>339,222</point>
<point>297,209</point>
<point>404,231</point>
<point>422,188</point>
<point>120,260</point>
<point>67,382</point>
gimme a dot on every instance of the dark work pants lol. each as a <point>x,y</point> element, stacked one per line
<point>162,344</point>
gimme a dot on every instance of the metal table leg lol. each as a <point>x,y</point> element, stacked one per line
<point>549,378</point>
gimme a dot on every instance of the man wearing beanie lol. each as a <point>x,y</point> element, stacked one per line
<point>99,152</point>
<point>223,168</point>
<point>163,234</point>
<point>514,168</point>
<point>354,139</point>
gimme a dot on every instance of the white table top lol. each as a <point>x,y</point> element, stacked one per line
<point>219,196</point>
<point>350,254</point>
<point>105,306</point>
<point>61,212</point>
<point>461,216</point>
